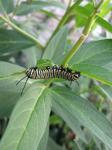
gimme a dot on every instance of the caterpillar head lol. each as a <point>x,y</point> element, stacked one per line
<point>76,75</point>
<point>30,71</point>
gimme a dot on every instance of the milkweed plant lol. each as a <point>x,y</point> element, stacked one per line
<point>46,42</point>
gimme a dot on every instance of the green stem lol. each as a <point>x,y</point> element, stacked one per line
<point>63,20</point>
<point>57,28</point>
<point>90,22</point>
<point>15,10</point>
<point>74,49</point>
<point>32,38</point>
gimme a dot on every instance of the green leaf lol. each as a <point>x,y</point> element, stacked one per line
<point>49,13</point>
<point>28,121</point>
<point>26,8</point>
<point>96,52</point>
<point>82,13</point>
<point>100,73</point>
<point>91,60</point>
<point>53,146</point>
<point>107,91</point>
<point>57,47</point>
<point>43,63</point>
<point>98,143</point>
<point>9,95</point>
<point>44,140</point>
<point>9,92</point>
<point>8,69</point>
<point>85,112</point>
<point>52,3</point>
<point>7,5</point>
<point>11,41</point>
<point>71,121</point>
<point>1,23</point>
<point>32,54</point>
<point>54,119</point>
<point>105,8</point>
<point>106,25</point>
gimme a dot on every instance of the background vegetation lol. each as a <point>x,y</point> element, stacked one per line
<point>54,114</point>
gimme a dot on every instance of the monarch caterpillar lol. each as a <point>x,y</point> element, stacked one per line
<point>50,72</point>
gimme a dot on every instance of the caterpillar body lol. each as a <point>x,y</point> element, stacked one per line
<point>50,72</point>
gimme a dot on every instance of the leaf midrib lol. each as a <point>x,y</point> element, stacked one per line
<point>43,89</point>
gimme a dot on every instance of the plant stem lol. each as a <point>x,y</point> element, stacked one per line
<point>14,12</point>
<point>63,20</point>
<point>90,22</point>
<point>74,49</point>
<point>57,28</point>
<point>32,38</point>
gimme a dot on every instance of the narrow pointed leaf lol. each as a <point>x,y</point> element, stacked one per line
<point>99,73</point>
<point>53,146</point>
<point>7,5</point>
<point>95,52</point>
<point>85,112</point>
<point>44,140</point>
<point>71,121</point>
<point>28,121</point>
<point>57,47</point>
<point>26,8</point>
<point>11,41</point>
<point>82,13</point>
<point>106,25</point>
<point>9,95</point>
<point>107,91</point>
<point>8,69</point>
